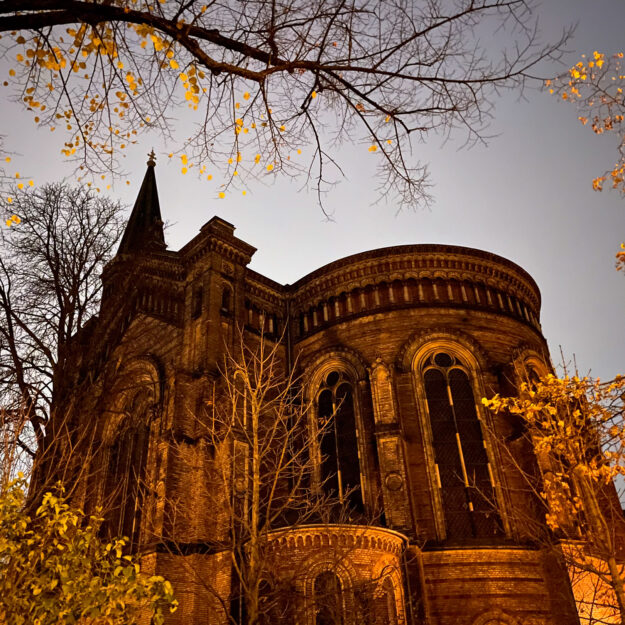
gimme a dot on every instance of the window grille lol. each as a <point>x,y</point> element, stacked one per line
<point>462,467</point>
<point>340,465</point>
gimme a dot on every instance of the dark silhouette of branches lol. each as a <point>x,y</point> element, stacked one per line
<point>50,267</point>
<point>273,86</point>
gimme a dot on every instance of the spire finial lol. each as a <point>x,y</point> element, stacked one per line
<point>144,230</point>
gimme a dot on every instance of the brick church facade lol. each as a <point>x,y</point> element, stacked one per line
<point>398,346</point>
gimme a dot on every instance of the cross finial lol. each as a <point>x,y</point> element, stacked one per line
<point>151,159</point>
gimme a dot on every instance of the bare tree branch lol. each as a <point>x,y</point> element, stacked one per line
<point>50,267</point>
<point>275,84</point>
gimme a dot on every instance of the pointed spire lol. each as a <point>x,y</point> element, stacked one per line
<point>144,230</point>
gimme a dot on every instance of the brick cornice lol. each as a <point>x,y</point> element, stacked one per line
<point>338,535</point>
<point>416,262</point>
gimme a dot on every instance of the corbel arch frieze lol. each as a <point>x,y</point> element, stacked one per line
<point>409,274</point>
<point>364,282</point>
<point>468,277</point>
<point>454,275</point>
<point>420,274</point>
<point>350,287</point>
<point>462,343</point>
<point>367,283</point>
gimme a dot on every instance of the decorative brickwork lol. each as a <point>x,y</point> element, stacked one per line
<point>412,334</point>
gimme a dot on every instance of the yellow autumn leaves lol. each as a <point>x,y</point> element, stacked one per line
<point>373,147</point>
<point>74,55</point>
<point>239,127</point>
<point>620,258</point>
<point>596,85</point>
<point>574,427</point>
<point>579,73</point>
<point>53,563</point>
<point>112,84</point>
<point>84,51</point>
<point>14,219</point>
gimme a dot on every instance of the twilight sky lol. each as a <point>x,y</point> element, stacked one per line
<point>526,196</point>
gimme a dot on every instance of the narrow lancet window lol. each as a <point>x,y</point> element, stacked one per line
<point>197,302</point>
<point>340,465</point>
<point>126,483</point>
<point>462,466</point>
<point>386,604</point>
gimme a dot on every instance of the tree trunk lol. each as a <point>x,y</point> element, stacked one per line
<point>600,535</point>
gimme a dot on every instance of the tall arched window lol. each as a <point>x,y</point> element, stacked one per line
<point>126,481</point>
<point>464,474</point>
<point>340,466</point>
<point>328,599</point>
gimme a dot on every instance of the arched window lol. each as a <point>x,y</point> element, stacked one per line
<point>126,476</point>
<point>328,599</point>
<point>126,481</point>
<point>387,607</point>
<point>340,466</point>
<point>464,474</point>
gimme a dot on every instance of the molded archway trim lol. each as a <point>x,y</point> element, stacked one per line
<point>525,357</point>
<point>138,379</point>
<point>342,359</point>
<point>423,342</point>
<point>495,617</point>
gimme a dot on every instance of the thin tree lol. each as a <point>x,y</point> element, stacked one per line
<point>263,482</point>
<point>50,267</point>
<point>273,86</point>
<point>576,428</point>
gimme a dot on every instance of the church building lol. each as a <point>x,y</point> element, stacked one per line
<point>428,520</point>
